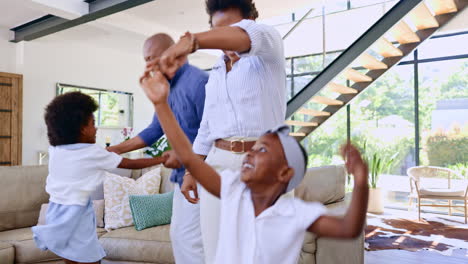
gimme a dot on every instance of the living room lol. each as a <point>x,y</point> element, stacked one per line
<point>411,123</point>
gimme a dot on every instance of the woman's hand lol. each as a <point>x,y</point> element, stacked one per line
<point>175,56</point>
<point>155,86</point>
<point>190,184</point>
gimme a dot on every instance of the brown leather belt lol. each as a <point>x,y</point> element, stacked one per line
<point>237,146</point>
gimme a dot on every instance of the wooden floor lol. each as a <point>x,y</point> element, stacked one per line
<point>459,256</point>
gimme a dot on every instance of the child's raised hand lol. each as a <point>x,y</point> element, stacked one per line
<point>155,86</point>
<point>354,163</point>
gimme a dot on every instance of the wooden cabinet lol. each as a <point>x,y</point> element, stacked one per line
<point>11,98</point>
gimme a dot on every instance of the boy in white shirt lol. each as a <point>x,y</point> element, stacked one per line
<point>258,223</point>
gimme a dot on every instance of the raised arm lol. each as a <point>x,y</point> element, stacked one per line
<point>156,88</point>
<point>351,225</point>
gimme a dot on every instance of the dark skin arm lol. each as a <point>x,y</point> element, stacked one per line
<point>156,88</point>
<point>223,38</point>
<point>140,163</point>
<point>127,146</point>
<point>351,225</point>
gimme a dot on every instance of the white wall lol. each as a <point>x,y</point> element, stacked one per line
<point>7,52</point>
<point>46,61</point>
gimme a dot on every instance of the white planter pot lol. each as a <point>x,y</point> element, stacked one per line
<point>375,204</point>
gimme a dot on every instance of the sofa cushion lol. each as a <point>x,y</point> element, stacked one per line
<point>323,184</point>
<point>27,185</point>
<point>116,194</point>
<point>7,253</point>
<point>166,184</point>
<point>25,247</point>
<point>442,192</point>
<point>150,245</point>
<point>151,210</point>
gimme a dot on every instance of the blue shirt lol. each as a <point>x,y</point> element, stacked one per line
<point>187,100</point>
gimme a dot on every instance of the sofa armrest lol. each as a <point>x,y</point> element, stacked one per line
<point>7,253</point>
<point>327,250</point>
<point>340,251</point>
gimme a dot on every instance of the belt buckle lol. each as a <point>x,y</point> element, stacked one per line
<point>243,146</point>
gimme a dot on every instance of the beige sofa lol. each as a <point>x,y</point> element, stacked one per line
<point>22,193</point>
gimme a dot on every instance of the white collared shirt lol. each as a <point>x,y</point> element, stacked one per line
<point>275,236</point>
<point>249,99</point>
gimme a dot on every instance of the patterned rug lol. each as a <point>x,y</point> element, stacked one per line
<point>436,233</point>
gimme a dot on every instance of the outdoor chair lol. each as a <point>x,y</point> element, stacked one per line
<point>435,184</point>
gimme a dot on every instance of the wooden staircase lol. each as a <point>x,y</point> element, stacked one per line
<point>424,16</point>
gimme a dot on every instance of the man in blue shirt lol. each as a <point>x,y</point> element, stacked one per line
<point>187,99</point>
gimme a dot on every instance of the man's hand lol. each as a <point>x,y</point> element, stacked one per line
<point>171,160</point>
<point>175,56</point>
<point>113,149</point>
<point>155,86</point>
<point>354,163</point>
<point>189,185</point>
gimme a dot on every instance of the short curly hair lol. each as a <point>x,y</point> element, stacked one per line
<point>247,7</point>
<point>66,115</point>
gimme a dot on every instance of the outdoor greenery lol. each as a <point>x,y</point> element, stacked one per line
<point>448,148</point>
<point>384,115</point>
<point>110,104</point>
<point>462,169</point>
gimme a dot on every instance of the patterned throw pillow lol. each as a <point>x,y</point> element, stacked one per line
<point>151,210</point>
<point>117,213</point>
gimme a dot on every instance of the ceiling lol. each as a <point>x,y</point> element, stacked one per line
<point>15,13</point>
<point>127,30</point>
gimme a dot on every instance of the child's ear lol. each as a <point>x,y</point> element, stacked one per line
<point>285,174</point>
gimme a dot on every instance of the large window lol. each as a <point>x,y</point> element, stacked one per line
<point>382,122</point>
<point>115,108</point>
<point>416,113</point>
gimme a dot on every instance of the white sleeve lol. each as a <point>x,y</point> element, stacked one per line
<point>230,183</point>
<point>265,41</point>
<point>308,212</point>
<point>202,145</point>
<point>106,160</point>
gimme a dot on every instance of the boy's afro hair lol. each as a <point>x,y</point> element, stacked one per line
<point>66,115</point>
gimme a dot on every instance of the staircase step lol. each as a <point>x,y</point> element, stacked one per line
<point>441,7</point>
<point>297,134</point>
<point>300,123</point>
<point>326,101</point>
<point>356,76</point>
<point>338,88</point>
<point>311,112</point>
<point>422,17</point>
<point>386,48</point>
<point>371,63</point>
<point>402,33</point>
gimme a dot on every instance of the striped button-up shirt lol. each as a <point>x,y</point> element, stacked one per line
<point>249,99</point>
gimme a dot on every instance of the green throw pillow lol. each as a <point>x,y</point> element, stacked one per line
<point>151,210</point>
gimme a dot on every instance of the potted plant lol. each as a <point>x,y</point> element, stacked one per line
<point>377,166</point>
